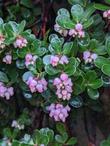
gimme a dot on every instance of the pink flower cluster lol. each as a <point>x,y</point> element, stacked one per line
<point>77,31</point>
<point>106,14</point>
<point>6,92</point>
<point>7,59</point>
<point>61,31</point>
<point>36,84</point>
<point>30,59</point>
<point>58,112</point>
<point>2,39</point>
<point>63,86</point>
<point>89,57</point>
<point>20,42</point>
<point>55,60</point>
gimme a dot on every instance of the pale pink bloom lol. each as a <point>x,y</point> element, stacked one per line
<point>10,91</point>
<point>105,14</point>
<point>77,31</point>
<point>63,76</point>
<point>57,81</point>
<point>89,57</point>
<point>94,56</point>
<point>58,112</point>
<point>63,60</point>
<point>36,84</point>
<point>30,59</point>
<point>54,60</point>
<point>79,27</point>
<point>81,34</point>
<point>6,92</point>
<point>72,32</point>
<point>7,59</point>
<point>7,95</point>
<point>20,42</point>
<point>63,86</point>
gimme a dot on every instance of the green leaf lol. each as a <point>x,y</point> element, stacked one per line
<point>7,132</point>
<point>89,76</point>
<point>1,21</point>
<point>101,7</point>
<point>88,12</point>
<point>76,102</point>
<point>61,138</point>
<point>100,61</point>
<point>56,43</point>
<point>70,69</point>
<point>51,71</point>
<point>79,85</point>
<point>100,50</point>
<point>60,128</point>
<point>46,59</point>
<point>97,83</point>
<point>106,69</point>
<point>107,1</point>
<point>48,132</point>
<point>67,48</point>
<point>72,141</point>
<point>21,26</point>
<point>64,21</point>
<point>93,94</point>
<point>84,42</point>
<point>108,45</point>
<point>64,11</point>
<point>16,143</point>
<point>89,22</point>
<point>26,3</point>
<point>81,2</point>
<point>77,12</point>
<point>3,77</point>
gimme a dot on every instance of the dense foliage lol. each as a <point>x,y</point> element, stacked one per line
<point>46,80</point>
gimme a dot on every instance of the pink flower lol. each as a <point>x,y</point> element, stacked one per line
<point>63,76</point>
<point>106,14</point>
<point>86,55</point>
<point>30,59</point>
<point>36,84</point>
<point>94,56</point>
<point>79,27</point>
<point>58,112</point>
<point>10,91</point>
<point>72,32</point>
<point>81,34</point>
<point>6,91</point>
<point>54,60</point>
<point>63,86</point>
<point>89,57</point>
<point>63,60</point>
<point>20,42</point>
<point>7,59</point>
<point>56,81</point>
<point>77,31</point>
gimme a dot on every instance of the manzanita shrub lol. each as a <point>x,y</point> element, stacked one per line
<point>56,75</point>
